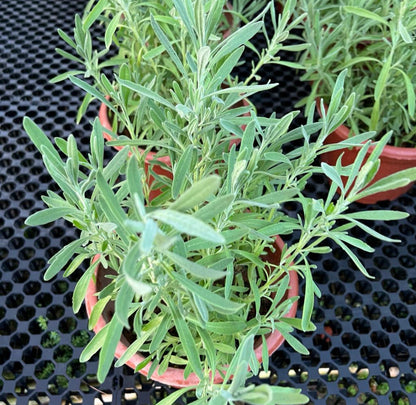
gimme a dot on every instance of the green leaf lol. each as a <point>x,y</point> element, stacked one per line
<point>172,398</point>
<point>200,191</point>
<point>368,229</point>
<point>259,395</point>
<point>94,14</point>
<point>203,56</point>
<point>276,197</point>
<point>187,224</point>
<point>242,356</point>
<point>280,228</point>
<point>145,92</point>
<point>111,29</point>
<point>352,255</point>
<point>160,333</point>
<point>411,103</point>
<point>234,41</point>
<point>396,180</point>
<point>337,92</point>
<point>49,215</point>
<point>66,38</point>
<point>113,209</point>
<point>332,174</point>
<point>355,169</point>
<point>123,300</point>
<point>97,310</point>
<point>133,349</point>
<point>309,298</point>
<point>187,18</point>
<point>264,354</point>
<point>382,215</point>
<point>365,13</point>
<point>181,170</point>
<point>148,236</point>
<point>353,241</point>
<point>75,263</point>
<point>93,91</point>
<point>108,350</point>
<point>64,76</point>
<point>215,207</point>
<point>297,323</point>
<point>186,338</point>
<point>115,164</point>
<point>194,268</point>
<point>209,347</point>
<point>168,46</point>
<point>286,330</point>
<point>68,55</point>
<point>226,327</point>
<point>38,137</point>
<point>404,33</point>
<point>81,287</point>
<point>60,259</point>
<point>201,308</point>
<point>216,301</point>
<point>356,60</point>
<point>224,70</point>
<point>288,396</point>
<point>95,344</point>
<point>83,107</point>
<point>382,79</point>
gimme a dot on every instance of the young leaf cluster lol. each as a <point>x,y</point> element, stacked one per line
<point>170,50</point>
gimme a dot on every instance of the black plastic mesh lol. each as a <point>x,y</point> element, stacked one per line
<point>363,350</point>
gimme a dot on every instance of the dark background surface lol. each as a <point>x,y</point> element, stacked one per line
<point>362,352</point>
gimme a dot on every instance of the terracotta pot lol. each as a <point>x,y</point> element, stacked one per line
<point>392,160</point>
<point>159,168</point>
<point>175,376</point>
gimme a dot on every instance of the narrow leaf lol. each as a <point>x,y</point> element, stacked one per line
<point>194,268</point>
<point>186,338</point>
<point>95,344</point>
<point>200,191</point>
<point>94,14</point>
<point>216,301</point>
<point>187,224</point>
<point>365,13</point>
<point>60,259</point>
<point>49,215</point>
<point>108,350</point>
<point>181,170</point>
<point>168,46</point>
<point>81,288</point>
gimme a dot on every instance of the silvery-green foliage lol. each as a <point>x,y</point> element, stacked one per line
<point>168,254</point>
<point>374,41</point>
<point>173,49</point>
<point>192,259</point>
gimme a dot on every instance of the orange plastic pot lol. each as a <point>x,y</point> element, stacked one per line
<point>174,377</point>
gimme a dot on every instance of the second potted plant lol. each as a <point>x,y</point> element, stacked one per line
<point>376,46</point>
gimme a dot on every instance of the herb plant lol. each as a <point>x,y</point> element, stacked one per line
<point>375,42</point>
<point>171,49</point>
<point>190,271</point>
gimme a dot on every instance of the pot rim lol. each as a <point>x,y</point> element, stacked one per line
<point>389,151</point>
